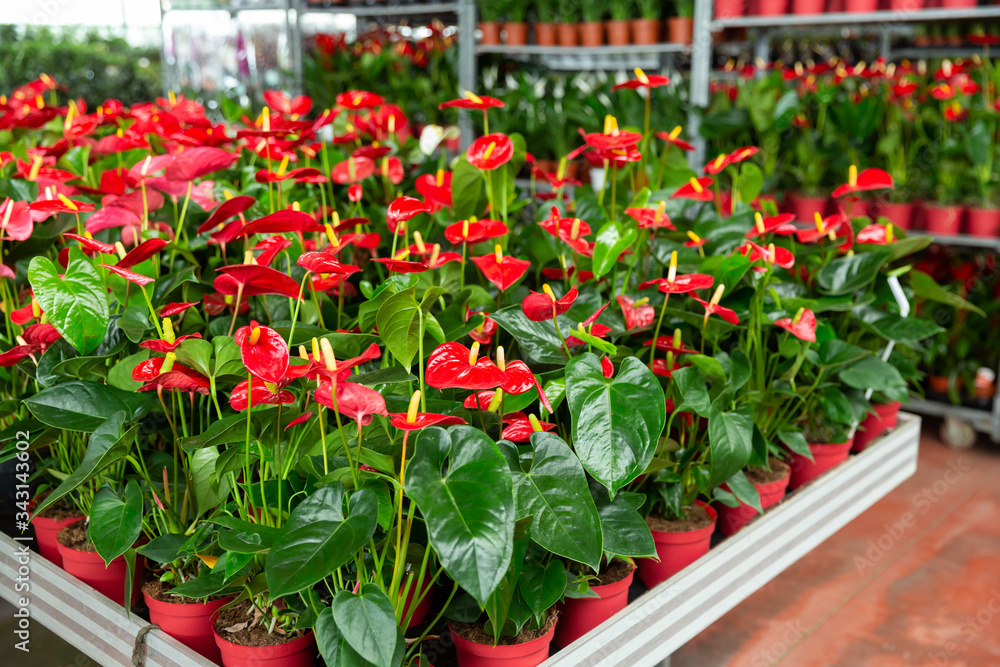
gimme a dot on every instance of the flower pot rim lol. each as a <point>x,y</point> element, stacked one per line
<point>831,445</point>
<point>688,536</point>
<point>490,651</point>
<point>200,607</point>
<point>612,589</point>
<point>286,649</point>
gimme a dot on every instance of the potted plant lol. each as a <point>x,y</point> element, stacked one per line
<point>591,27</point>
<point>618,24</point>
<point>545,26</point>
<point>646,28</point>
<point>489,26</point>
<point>568,28</point>
<point>772,7</point>
<point>680,27</point>
<point>724,9</point>
<point>983,219</point>
<point>515,29</point>
<point>65,456</point>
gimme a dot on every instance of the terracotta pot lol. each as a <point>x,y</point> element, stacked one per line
<point>901,215</point>
<point>617,32</point>
<point>983,222</point>
<point>567,34</point>
<point>491,33</point>
<point>528,654</point>
<point>545,34</point>
<point>580,616</point>
<point>727,9</point>
<point>825,457</point>
<point>860,6</point>
<point>190,624</point>
<point>906,5</point>
<point>645,31</point>
<point>938,383</point>
<point>89,568</point>
<point>944,220</point>
<point>300,652</point>
<point>47,533</point>
<point>516,33</point>
<point>808,6</point>
<point>592,33</point>
<point>883,417</point>
<point>772,7</point>
<point>679,29</point>
<point>805,208</point>
<point>957,4</point>
<point>676,550</point>
<point>731,519</point>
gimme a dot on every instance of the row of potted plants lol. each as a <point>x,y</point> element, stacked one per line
<point>735,8</point>
<point>343,396</point>
<point>589,23</point>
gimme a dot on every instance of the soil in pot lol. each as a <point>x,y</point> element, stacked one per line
<point>770,484</point>
<point>679,29</point>
<point>475,647</point>
<point>678,543</point>
<point>491,33</point>
<point>82,561</point>
<point>825,457</point>
<point>545,34</point>
<point>567,34</point>
<point>47,526</point>
<point>580,616</point>
<point>983,222</point>
<point>187,620</point>
<point>244,646</point>
<point>592,33</point>
<point>944,220</point>
<point>617,32</point>
<point>645,31</point>
<point>884,416</point>
<point>516,33</point>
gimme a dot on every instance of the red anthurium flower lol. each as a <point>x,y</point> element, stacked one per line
<point>520,428</point>
<point>696,189</point>
<point>400,263</point>
<point>607,368</point>
<point>359,99</point>
<point>178,378</point>
<point>611,138</point>
<point>196,162</point>
<point>172,309</point>
<point>720,162</point>
<point>26,313</point>
<point>520,379</point>
<point>130,276</point>
<point>264,351</point>
<point>279,222</point>
<point>300,175</point>
<point>169,343</point>
<point>680,284</point>
<point>411,420</point>
<point>402,209</point>
<point>60,205</point>
<point>352,170</point>
<point>955,113</point>
<point>227,210</point>
<point>282,103</point>
<point>743,153</point>
<point>301,419</point>
<point>253,280</point>
<point>661,368</point>
<point>638,314</point>
<point>474,231</point>
<point>483,334</point>
<point>673,137</point>
<point>694,241</point>
<point>541,306</point>
<point>91,246</point>
<point>472,101</point>
<point>141,253</point>
<point>435,188</point>
<point>651,218</point>
<point>591,326</point>
<point>869,179</point>
<point>568,230</point>
<point>15,220</point>
<point>322,262</point>
<point>643,80</point>
<point>501,270</point>
<point>356,401</point>
<point>876,234</point>
<point>355,192</point>
<point>712,307</point>
<point>454,365</point>
<point>772,254</point>
<point>35,340</point>
<point>260,392</point>
<point>269,249</point>
<point>391,168</point>
<point>824,227</point>
<point>490,151</point>
<point>671,344</point>
<point>779,224</point>
<point>802,326</point>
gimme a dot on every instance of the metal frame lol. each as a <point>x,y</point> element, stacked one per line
<point>661,621</point>
<point>83,617</point>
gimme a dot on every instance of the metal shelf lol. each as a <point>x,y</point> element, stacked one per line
<point>917,52</point>
<point>965,240</point>
<point>386,9</point>
<point>232,8</point>
<point>850,18</point>
<point>982,420</point>
<point>85,618</point>
<point>596,58</point>
<point>658,623</point>
<point>585,51</point>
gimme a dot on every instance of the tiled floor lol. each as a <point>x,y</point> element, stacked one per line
<point>913,581</point>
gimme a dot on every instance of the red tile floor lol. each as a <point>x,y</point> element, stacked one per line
<point>915,580</point>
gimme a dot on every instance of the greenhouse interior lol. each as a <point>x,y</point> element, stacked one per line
<point>637,333</point>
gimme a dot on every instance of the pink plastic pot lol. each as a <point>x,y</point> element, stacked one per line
<point>676,551</point>
<point>772,7</point>
<point>47,533</point>
<point>298,653</point>
<point>580,616</point>
<point>944,220</point>
<point>808,6</point>
<point>805,208</point>
<point>884,417</point>
<point>983,222</point>
<point>727,9</point>
<point>731,519</point>
<point>89,568</point>
<point>860,6</point>
<point>528,654</point>
<point>190,624</point>
<point>906,5</point>
<point>825,457</point>
<point>957,4</point>
<point>901,215</point>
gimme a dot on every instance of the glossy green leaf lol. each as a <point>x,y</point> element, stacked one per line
<point>926,287</point>
<point>135,322</point>
<point>84,406</point>
<point>500,602</point>
<point>905,330</point>
<point>76,304</point>
<point>468,504</point>
<point>625,531</point>
<point>399,326</point>
<point>332,644</point>
<point>730,439</point>
<point>616,421</point>
<point>744,491</point>
<point>538,340</point>
<point>609,243</point>
<point>367,622</point>
<point>541,586</point>
<point>872,373</point>
<point>690,384</point>
<point>847,274</point>
<point>836,352</point>
<point>795,441</point>
<point>115,524</point>
<point>751,182</point>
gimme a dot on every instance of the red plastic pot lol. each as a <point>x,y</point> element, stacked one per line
<point>528,654</point>
<point>808,6</point>
<point>825,457</point>
<point>89,568</point>
<point>901,215</point>
<point>676,550</point>
<point>957,4</point>
<point>983,222</point>
<point>421,610</point>
<point>580,616</point>
<point>906,5</point>
<point>300,652</point>
<point>772,7</point>
<point>860,6</point>
<point>727,9</point>
<point>731,519</point>
<point>884,417</point>
<point>190,624</point>
<point>944,220</point>
<point>860,208</point>
<point>47,533</point>
<point>805,208</point>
